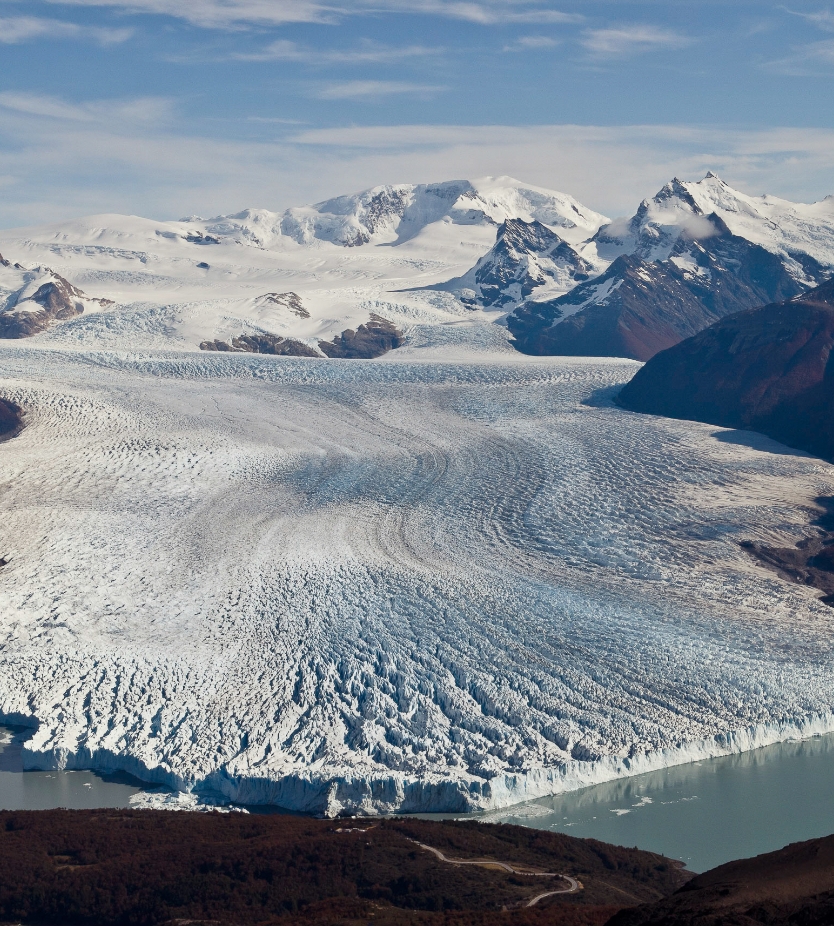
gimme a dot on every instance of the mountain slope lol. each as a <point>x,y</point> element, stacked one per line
<point>395,214</point>
<point>32,300</point>
<point>791,887</point>
<point>526,256</point>
<point>106,868</point>
<point>208,281</point>
<point>795,231</point>
<point>767,369</point>
<point>446,259</point>
<point>690,255</point>
<point>641,306</point>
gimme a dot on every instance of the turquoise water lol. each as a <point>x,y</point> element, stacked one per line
<point>704,813</point>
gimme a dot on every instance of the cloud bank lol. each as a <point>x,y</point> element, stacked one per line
<point>61,159</point>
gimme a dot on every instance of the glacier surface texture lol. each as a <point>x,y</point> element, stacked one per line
<point>412,584</point>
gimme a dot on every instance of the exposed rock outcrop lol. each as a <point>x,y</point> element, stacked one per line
<point>768,369</point>
<point>811,561</point>
<point>526,256</point>
<point>55,299</point>
<point>262,344</point>
<point>373,339</point>
<point>639,307</point>
<point>290,301</point>
<point>11,419</point>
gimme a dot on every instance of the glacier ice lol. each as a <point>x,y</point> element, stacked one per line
<point>448,581</point>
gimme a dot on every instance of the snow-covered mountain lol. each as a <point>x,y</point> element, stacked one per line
<point>345,261</point>
<point>527,257</point>
<point>33,299</point>
<point>395,214</point>
<point>427,258</point>
<point>795,231</point>
<point>638,306</point>
<point>693,253</point>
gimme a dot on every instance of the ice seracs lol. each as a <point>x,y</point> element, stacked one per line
<point>346,587</point>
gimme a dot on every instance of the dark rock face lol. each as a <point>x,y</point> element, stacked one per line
<point>382,207</point>
<point>639,307</point>
<point>58,300</point>
<point>525,256</point>
<point>791,887</point>
<point>811,561</point>
<point>291,301</point>
<point>370,340</point>
<point>11,419</point>
<point>262,344</point>
<point>200,238</point>
<point>767,369</point>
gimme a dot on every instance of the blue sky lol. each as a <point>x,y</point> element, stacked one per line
<point>171,107</point>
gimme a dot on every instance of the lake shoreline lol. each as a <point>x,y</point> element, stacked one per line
<point>419,796</point>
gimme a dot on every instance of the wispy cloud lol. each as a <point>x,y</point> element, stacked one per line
<point>141,110</point>
<point>373,89</point>
<point>216,14</point>
<point>55,167</point>
<point>365,53</point>
<point>824,19</point>
<point>532,42</point>
<point>494,14</point>
<point>17,29</point>
<point>813,59</point>
<point>631,39</point>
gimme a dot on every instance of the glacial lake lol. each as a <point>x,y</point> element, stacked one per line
<point>702,813</point>
<point>21,790</point>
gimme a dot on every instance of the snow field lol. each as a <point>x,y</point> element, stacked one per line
<point>375,586</point>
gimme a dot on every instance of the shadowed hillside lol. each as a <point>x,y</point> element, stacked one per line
<point>149,867</point>
<point>791,887</point>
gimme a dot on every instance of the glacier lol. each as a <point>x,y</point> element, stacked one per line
<point>453,579</point>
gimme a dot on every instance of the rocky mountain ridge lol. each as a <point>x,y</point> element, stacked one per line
<point>34,299</point>
<point>526,257</point>
<point>639,306</point>
<point>394,214</point>
<point>692,254</point>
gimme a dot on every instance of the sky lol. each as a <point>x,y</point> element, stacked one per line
<point>167,108</point>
